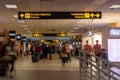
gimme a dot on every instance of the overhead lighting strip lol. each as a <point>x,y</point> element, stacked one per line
<point>11,6</point>
<point>16,16</point>
<point>115,6</point>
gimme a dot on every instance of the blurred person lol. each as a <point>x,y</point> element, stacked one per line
<point>50,51</point>
<point>12,51</point>
<point>58,51</point>
<point>68,51</point>
<point>21,50</point>
<point>32,49</point>
<point>2,49</point>
<point>44,51</point>
<point>27,50</point>
<point>64,53</point>
<point>25,55</point>
<point>76,51</point>
<point>82,53</point>
<point>88,50</point>
<point>97,50</point>
<point>38,51</point>
<point>16,48</point>
<point>104,56</point>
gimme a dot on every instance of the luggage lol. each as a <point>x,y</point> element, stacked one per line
<point>50,56</point>
<point>34,59</point>
<point>3,69</point>
<point>41,56</point>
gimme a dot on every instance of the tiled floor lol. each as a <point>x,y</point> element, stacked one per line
<point>45,70</point>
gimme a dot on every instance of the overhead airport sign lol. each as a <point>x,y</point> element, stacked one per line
<point>59,15</point>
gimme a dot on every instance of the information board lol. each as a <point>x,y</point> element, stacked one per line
<point>114,50</point>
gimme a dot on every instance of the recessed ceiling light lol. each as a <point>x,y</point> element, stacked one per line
<point>28,31</point>
<point>115,6</point>
<point>16,16</point>
<point>76,28</point>
<point>80,25</point>
<point>11,6</point>
<point>21,21</point>
<point>26,28</point>
<point>72,30</point>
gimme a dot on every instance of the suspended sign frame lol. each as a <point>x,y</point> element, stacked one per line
<point>60,15</point>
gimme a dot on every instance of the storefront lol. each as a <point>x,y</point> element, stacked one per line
<point>111,41</point>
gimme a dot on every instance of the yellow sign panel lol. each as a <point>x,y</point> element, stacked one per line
<point>87,15</point>
<point>27,15</point>
<point>59,15</point>
<point>37,35</point>
<point>62,34</point>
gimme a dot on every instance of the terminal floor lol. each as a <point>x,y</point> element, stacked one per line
<point>44,70</point>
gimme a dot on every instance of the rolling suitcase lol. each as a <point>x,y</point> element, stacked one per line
<point>34,59</point>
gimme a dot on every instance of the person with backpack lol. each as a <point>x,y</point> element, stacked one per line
<point>64,54</point>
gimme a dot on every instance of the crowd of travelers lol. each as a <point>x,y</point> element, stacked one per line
<point>44,51</point>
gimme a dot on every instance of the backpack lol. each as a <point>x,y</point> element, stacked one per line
<point>64,50</point>
<point>38,49</point>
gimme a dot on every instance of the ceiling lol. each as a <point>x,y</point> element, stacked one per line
<point>7,21</point>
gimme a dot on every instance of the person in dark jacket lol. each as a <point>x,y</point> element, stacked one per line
<point>104,56</point>
<point>44,51</point>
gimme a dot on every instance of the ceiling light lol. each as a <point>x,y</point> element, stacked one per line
<point>16,16</point>
<point>115,6</point>
<point>11,6</point>
<point>21,21</point>
<point>76,28</point>
<point>79,25</point>
<point>26,28</point>
<point>72,30</point>
<point>28,31</point>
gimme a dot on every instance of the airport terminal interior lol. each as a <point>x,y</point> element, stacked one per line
<point>33,34</point>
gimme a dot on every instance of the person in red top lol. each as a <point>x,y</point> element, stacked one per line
<point>88,50</point>
<point>97,49</point>
<point>38,51</point>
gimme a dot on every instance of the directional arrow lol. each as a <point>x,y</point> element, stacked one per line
<point>92,15</point>
<point>21,15</point>
<point>97,15</point>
